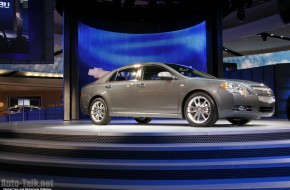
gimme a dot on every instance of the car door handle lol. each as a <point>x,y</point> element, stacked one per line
<point>141,85</point>
<point>108,86</point>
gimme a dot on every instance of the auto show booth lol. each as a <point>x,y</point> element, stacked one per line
<point>102,35</point>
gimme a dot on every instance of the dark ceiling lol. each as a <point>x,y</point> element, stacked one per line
<point>258,16</point>
<point>142,16</point>
<point>243,37</point>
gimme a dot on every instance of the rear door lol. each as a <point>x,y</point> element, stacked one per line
<point>121,91</point>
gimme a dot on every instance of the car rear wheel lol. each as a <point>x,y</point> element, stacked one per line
<point>238,121</point>
<point>99,113</point>
<point>200,110</point>
<point>143,119</point>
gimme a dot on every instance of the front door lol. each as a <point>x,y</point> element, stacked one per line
<point>156,96</point>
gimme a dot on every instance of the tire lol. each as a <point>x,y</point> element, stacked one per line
<point>238,121</point>
<point>200,110</point>
<point>143,120</point>
<point>99,113</point>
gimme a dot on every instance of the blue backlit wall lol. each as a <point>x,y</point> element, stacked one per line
<point>110,50</point>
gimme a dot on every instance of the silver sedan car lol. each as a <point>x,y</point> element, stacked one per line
<point>160,90</point>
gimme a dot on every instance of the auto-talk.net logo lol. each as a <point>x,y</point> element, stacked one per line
<point>4,5</point>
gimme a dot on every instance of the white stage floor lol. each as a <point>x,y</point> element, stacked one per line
<point>156,127</point>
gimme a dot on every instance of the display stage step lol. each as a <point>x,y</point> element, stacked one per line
<point>79,155</point>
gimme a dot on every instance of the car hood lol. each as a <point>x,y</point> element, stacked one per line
<point>245,82</point>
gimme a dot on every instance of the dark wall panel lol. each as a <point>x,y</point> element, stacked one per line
<point>258,75</point>
<point>282,72</point>
<point>269,76</point>
<point>246,74</point>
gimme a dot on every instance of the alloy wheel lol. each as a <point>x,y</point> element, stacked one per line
<point>199,109</point>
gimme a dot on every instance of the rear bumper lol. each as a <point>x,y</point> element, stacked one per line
<point>83,108</point>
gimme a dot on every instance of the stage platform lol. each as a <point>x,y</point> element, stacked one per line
<point>165,154</point>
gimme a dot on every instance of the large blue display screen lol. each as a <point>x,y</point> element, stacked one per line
<point>98,49</point>
<point>6,14</point>
<point>14,30</point>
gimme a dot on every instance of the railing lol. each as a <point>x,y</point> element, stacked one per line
<point>41,110</point>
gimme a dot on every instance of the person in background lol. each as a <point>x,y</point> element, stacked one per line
<point>19,25</point>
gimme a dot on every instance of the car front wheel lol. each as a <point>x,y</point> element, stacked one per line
<point>143,119</point>
<point>238,121</point>
<point>99,113</point>
<point>200,110</point>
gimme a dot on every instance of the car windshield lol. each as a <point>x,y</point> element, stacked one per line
<point>190,72</point>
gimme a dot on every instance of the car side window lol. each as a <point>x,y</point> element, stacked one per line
<point>113,77</point>
<point>151,72</point>
<point>126,74</point>
<point>187,72</point>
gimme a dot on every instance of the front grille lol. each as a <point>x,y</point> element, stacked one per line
<point>266,109</point>
<point>262,90</point>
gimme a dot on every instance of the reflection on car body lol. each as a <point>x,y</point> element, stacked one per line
<point>158,90</point>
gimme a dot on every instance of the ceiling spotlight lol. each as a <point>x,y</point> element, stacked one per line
<point>264,36</point>
<point>241,14</point>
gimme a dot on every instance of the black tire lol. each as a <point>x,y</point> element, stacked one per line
<point>200,110</point>
<point>238,121</point>
<point>143,120</point>
<point>100,108</point>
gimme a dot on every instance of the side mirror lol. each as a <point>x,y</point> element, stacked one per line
<point>166,76</point>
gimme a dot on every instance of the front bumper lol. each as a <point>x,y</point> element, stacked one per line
<point>251,106</point>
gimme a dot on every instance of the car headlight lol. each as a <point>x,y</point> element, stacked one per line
<point>235,88</point>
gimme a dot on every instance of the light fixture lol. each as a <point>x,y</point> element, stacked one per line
<point>264,36</point>
<point>38,74</point>
<point>241,14</point>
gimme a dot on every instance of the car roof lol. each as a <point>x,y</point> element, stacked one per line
<point>138,64</point>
